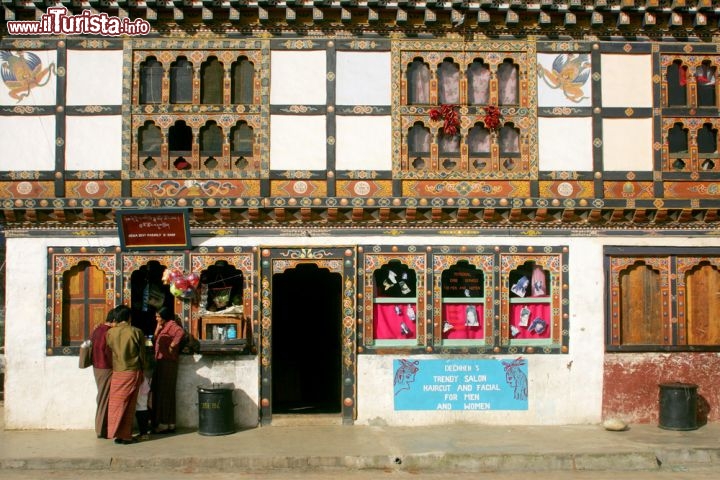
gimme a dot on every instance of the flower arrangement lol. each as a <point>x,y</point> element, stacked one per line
<point>492,118</point>
<point>450,117</point>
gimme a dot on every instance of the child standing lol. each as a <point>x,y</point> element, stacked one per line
<point>142,412</point>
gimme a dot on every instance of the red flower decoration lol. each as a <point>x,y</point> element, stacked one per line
<point>492,117</point>
<point>450,117</point>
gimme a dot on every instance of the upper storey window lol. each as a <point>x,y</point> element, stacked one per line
<point>196,112</point>
<point>443,108</point>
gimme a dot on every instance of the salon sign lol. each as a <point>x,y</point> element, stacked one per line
<point>469,385</point>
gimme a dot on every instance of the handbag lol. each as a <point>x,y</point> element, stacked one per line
<point>85,359</point>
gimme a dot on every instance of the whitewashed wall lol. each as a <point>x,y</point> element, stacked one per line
<point>563,389</point>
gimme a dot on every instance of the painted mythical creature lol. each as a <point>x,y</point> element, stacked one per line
<point>23,72</point>
<point>569,73</point>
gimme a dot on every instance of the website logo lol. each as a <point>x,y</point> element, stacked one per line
<point>59,21</point>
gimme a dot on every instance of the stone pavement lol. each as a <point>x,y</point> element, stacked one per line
<point>450,448</point>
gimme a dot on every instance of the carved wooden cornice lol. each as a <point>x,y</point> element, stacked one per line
<point>224,216</point>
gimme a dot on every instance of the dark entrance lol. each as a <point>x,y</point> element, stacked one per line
<point>306,341</point>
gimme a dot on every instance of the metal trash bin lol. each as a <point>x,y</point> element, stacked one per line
<point>678,406</point>
<point>216,410</point>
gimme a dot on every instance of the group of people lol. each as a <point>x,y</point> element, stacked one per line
<point>129,387</point>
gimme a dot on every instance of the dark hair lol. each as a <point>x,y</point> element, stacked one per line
<point>122,313</point>
<point>165,313</point>
<point>111,316</point>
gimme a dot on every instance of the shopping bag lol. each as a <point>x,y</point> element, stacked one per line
<point>85,359</point>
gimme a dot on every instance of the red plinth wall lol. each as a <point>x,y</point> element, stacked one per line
<point>631,383</point>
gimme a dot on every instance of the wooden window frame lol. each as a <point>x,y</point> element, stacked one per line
<point>672,263</point>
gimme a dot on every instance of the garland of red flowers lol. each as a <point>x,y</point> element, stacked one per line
<point>492,118</point>
<point>450,116</point>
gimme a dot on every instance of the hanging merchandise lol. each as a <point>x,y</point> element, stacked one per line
<point>471,318</point>
<point>538,282</point>
<point>404,329</point>
<point>514,331</point>
<point>447,326</point>
<point>390,281</point>
<point>410,312</point>
<point>524,317</point>
<point>538,326</point>
<point>181,285</point>
<point>520,288</point>
<point>403,285</point>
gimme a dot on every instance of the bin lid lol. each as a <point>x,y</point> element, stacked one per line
<point>215,387</point>
<point>678,385</point>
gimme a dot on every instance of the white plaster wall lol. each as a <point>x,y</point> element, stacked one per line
<point>627,144</point>
<point>363,78</point>
<point>363,143</point>
<point>298,142</point>
<point>28,143</point>
<point>559,150</point>
<point>298,78</point>
<point>94,77</point>
<point>93,143</point>
<point>563,388</point>
<point>626,80</point>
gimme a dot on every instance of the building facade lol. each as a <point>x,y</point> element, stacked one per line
<point>367,212</point>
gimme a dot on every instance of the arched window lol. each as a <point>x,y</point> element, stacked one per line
<point>180,138</point>
<point>508,83</point>
<point>150,139</point>
<point>419,140</point>
<point>678,139</point>
<point>211,87</point>
<point>418,82</point>
<point>478,81</point>
<point>509,140</point>
<point>241,139</point>
<point>707,139</point>
<point>151,76</point>
<point>705,78</point>
<point>181,74</point>
<point>448,82</point>
<point>84,304</point>
<point>211,140</point>
<point>677,83</point>
<point>478,141</point>
<point>243,81</point>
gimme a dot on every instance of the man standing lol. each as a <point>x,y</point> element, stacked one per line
<point>102,368</point>
<point>127,344</point>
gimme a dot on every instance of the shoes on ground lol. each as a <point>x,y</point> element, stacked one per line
<point>122,441</point>
<point>165,431</point>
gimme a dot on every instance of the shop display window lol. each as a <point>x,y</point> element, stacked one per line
<point>463,311</point>
<point>395,307</point>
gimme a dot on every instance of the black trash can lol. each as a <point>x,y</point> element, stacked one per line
<point>216,411</point>
<point>678,406</point>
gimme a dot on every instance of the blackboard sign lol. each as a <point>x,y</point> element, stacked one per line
<point>153,229</point>
<point>469,385</point>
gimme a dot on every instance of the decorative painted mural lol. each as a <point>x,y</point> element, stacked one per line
<point>564,79</point>
<point>22,72</point>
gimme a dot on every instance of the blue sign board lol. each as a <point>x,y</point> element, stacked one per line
<point>461,384</point>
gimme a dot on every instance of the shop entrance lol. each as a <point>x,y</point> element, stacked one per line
<point>306,338</point>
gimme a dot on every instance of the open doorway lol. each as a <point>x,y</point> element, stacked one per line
<point>306,341</point>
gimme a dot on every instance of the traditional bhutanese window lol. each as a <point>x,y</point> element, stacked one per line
<point>471,102</point>
<point>181,73</point>
<point>151,76</point>
<point>662,299</point>
<point>83,287</point>
<point>194,100</point>
<point>211,88</point>
<point>705,77</point>
<point>690,146</point>
<point>676,75</point>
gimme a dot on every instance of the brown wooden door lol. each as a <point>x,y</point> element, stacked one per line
<point>84,304</point>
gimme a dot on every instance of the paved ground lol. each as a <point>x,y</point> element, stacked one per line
<point>396,452</point>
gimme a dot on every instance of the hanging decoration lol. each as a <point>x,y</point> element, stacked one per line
<point>492,118</point>
<point>181,285</point>
<point>450,117</point>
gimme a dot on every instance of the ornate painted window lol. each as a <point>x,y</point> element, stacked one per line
<point>441,114</point>
<point>478,299</point>
<point>87,283</point>
<point>663,299</point>
<point>83,286</point>
<point>197,112</point>
<point>690,94</point>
